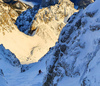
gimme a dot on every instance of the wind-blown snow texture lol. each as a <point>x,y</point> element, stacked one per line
<point>75,59</point>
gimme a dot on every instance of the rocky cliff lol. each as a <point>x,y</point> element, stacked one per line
<point>75,60</point>
<point>51,20</point>
<point>14,7</point>
<point>7,18</point>
<point>7,61</point>
<point>52,16</point>
<point>8,56</point>
<point>45,24</point>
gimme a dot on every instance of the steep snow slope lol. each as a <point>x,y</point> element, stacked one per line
<point>23,46</point>
<point>27,49</point>
<point>3,81</point>
<point>31,49</point>
<point>7,61</point>
<point>53,17</point>
<point>74,61</point>
<point>10,71</point>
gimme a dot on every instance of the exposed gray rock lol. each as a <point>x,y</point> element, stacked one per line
<point>1,72</point>
<point>78,62</point>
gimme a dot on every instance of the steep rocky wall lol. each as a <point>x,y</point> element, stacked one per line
<point>14,7</point>
<point>8,56</point>
<point>46,26</point>
<point>7,18</point>
<point>74,60</point>
<point>53,17</point>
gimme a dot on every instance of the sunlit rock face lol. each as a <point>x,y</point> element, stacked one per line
<point>75,58</point>
<point>17,5</point>
<point>7,18</point>
<point>45,24</point>
<point>31,19</point>
<point>45,21</point>
<point>53,17</point>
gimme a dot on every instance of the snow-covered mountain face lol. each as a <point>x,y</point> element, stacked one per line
<point>11,71</point>
<point>53,18</point>
<point>16,5</point>
<point>24,21</point>
<point>27,22</point>
<point>45,26</point>
<point>8,56</point>
<point>82,3</point>
<point>7,60</point>
<point>75,59</point>
<point>23,46</point>
<point>3,82</point>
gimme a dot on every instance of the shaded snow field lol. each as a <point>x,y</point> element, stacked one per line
<point>13,75</point>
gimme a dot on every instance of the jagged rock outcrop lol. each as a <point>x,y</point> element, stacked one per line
<point>28,22</point>
<point>82,3</point>
<point>75,60</point>
<point>14,8</point>
<point>9,32</point>
<point>7,61</point>
<point>46,26</point>
<point>19,7</point>
<point>7,15</point>
<point>8,56</point>
<point>24,21</point>
<point>52,18</point>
